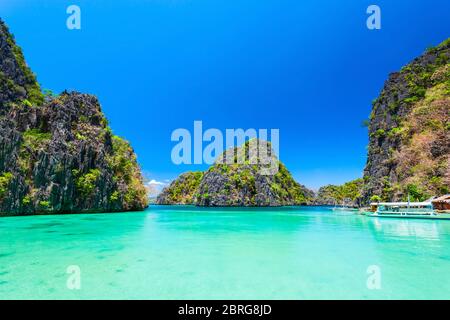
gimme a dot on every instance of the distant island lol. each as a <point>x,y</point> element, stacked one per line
<point>237,184</point>
<point>408,152</point>
<point>57,152</point>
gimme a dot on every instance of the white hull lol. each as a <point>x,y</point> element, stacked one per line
<point>410,216</point>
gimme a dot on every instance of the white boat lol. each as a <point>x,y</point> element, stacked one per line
<point>411,210</point>
<point>343,207</point>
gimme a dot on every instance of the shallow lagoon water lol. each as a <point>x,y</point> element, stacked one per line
<point>192,253</point>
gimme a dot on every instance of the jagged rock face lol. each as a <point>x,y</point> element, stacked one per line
<point>17,82</point>
<point>182,190</point>
<point>57,154</point>
<point>238,184</point>
<point>244,185</point>
<point>348,194</point>
<point>409,143</point>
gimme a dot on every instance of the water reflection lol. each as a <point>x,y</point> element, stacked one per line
<point>421,229</point>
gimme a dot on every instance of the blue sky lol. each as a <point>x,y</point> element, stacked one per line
<point>309,68</point>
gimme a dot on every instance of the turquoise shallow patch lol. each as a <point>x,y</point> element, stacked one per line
<point>190,253</point>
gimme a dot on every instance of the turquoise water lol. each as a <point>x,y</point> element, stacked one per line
<point>189,253</point>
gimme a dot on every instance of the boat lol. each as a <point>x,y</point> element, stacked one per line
<point>343,207</point>
<point>411,210</point>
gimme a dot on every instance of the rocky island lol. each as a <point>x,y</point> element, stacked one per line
<point>57,153</point>
<point>237,184</point>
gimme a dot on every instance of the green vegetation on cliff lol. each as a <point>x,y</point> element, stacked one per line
<point>123,164</point>
<point>349,194</point>
<point>57,154</point>
<point>29,82</point>
<point>237,184</point>
<point>86,183</point>
<point>5,179</point>
<point>182,190</point>
<point>409,150</point>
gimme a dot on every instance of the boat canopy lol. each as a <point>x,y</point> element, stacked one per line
<point>402,204</point>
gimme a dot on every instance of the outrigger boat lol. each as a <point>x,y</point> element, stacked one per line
<point>411,210</point>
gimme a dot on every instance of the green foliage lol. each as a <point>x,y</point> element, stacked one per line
<point>104,122</point>
<point>415,193</point>
<point>114,196</point>
<point>380,133</point>
<point>411,100</point>
<point>83,118</point>
<point>375,198</point>
<point>5,180</point>
<point>438,184</point>
<point>184,189</point>
<point>32,88</point>
<point>34,94</point>
<point>27,103</point>
<point>349,191</point>
<point>123,163</point>
<point>206,196</point>
<point>393,107</point>
<point>288,189</point>
<point>33,140</point>
<point>44,204</point>
<point>79,136</point>
<point>86,183</point>
<point>444,44</point>
<point>26,201</point>
<point>36,136</point>
<point>394,132</point>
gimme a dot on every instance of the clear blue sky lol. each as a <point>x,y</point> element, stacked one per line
<point>310,68</point>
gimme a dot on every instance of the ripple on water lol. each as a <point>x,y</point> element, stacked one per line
<point>43,225</point>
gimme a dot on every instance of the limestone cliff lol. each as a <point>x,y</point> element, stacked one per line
<point>348,194</point>
<point>237,184</point>
<point>409,148</point>
<point>57,153</point>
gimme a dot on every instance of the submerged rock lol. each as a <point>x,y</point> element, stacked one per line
<point>57,153</point>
